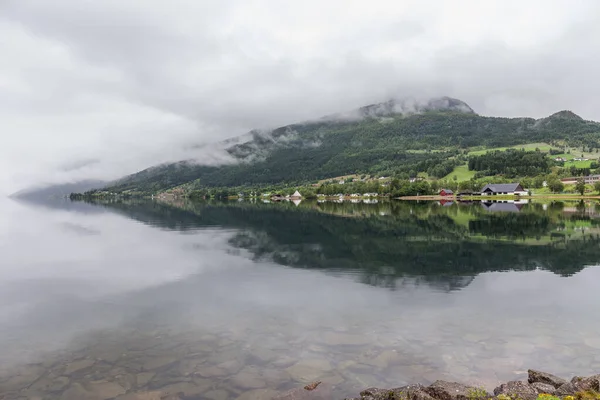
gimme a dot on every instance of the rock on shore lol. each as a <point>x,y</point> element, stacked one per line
<point>538,382</point>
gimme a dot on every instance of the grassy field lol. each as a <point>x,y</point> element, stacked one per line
<point>425,151</point>
<point>461,172</point>
<point>579,164</point>
<point>545,147</point>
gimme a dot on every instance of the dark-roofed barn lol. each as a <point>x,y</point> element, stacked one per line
<point>494,189</point>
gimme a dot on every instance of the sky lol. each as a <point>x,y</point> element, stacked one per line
<point>100,89</point>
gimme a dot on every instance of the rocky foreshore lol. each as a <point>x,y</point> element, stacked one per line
<point>539,384</point>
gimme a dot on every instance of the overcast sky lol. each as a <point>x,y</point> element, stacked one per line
<point>104,88</point>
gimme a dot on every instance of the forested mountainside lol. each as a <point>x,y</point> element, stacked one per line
<point>381,139</point>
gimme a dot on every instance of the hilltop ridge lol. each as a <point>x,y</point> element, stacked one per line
<point>398,137</point>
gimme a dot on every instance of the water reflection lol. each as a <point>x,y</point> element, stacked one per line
<point>382,242</point>
<point>228,300</point>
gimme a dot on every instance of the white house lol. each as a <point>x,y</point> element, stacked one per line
<point>494,189</point>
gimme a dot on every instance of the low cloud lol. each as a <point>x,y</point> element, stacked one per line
<point>133,84</point>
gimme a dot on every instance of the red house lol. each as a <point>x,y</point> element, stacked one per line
<point>446,192</point>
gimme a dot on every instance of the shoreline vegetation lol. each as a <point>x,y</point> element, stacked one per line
<point>538,386</point>
<point>276,198</point>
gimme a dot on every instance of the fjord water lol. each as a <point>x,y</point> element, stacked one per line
<point>228,300</point>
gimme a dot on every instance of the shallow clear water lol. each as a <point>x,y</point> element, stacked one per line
<point>245,300</point>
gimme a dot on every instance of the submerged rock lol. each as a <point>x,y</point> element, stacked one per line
<point>344,339</point>
<point>154,395</point>
<point>258,394</point>
<point>314,391</point>
<point>143,378</point>
<point>218,394</point>
<point>249,378</point>
<point>99,390</point>
<point>307,371</point>
<point>78,365</point>
<point>185,388</point>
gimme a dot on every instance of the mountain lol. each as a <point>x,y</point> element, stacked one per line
<point>58,190</point>
<point>393,137</point>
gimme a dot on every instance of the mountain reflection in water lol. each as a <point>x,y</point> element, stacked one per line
<point>241,299</point>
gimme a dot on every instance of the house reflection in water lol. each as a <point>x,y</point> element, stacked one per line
<point>504,206</point>
<point>445,203</point>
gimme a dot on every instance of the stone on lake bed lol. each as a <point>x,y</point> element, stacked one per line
<point>187,388</point>
<point>344,339</point>
<point>211,372</point>
<point>153,395</point>
<point>258,394</point>
<point>593,342</point>
<point>284,362</point>
<point>249,378</point>
<point>263,355</point>
<point>78,366</point>
<point>99,390</point>
<point>383,359</point>
<point>157,362</point>
<point>218,394</point>
<point>332,379</point>
<point>143,378</point>
<point>51,384</point>
<point>321,392</point>
<point>275,376</point>
<point>232,367</point>
<point>310,370</point>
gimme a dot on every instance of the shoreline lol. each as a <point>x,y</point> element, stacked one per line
<point>538,386</point>
<point>506,197</point>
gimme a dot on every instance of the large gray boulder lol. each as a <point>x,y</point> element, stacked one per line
<point>543,388</point>
<point>579,384</point>
<point>517,390</point>
<point>410,392</point>
<point>544,377</point>
<point>443,390</point>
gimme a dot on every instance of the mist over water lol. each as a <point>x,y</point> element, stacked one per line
<point>197,298</point>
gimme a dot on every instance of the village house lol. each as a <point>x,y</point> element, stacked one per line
<point>590,179</point>
<point>296,195</point>
<point>493,189</point>
<point>446,192</point>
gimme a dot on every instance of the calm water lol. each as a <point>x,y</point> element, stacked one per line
<point>227,300</point>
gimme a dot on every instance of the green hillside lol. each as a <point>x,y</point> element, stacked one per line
<point>377,140</point>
